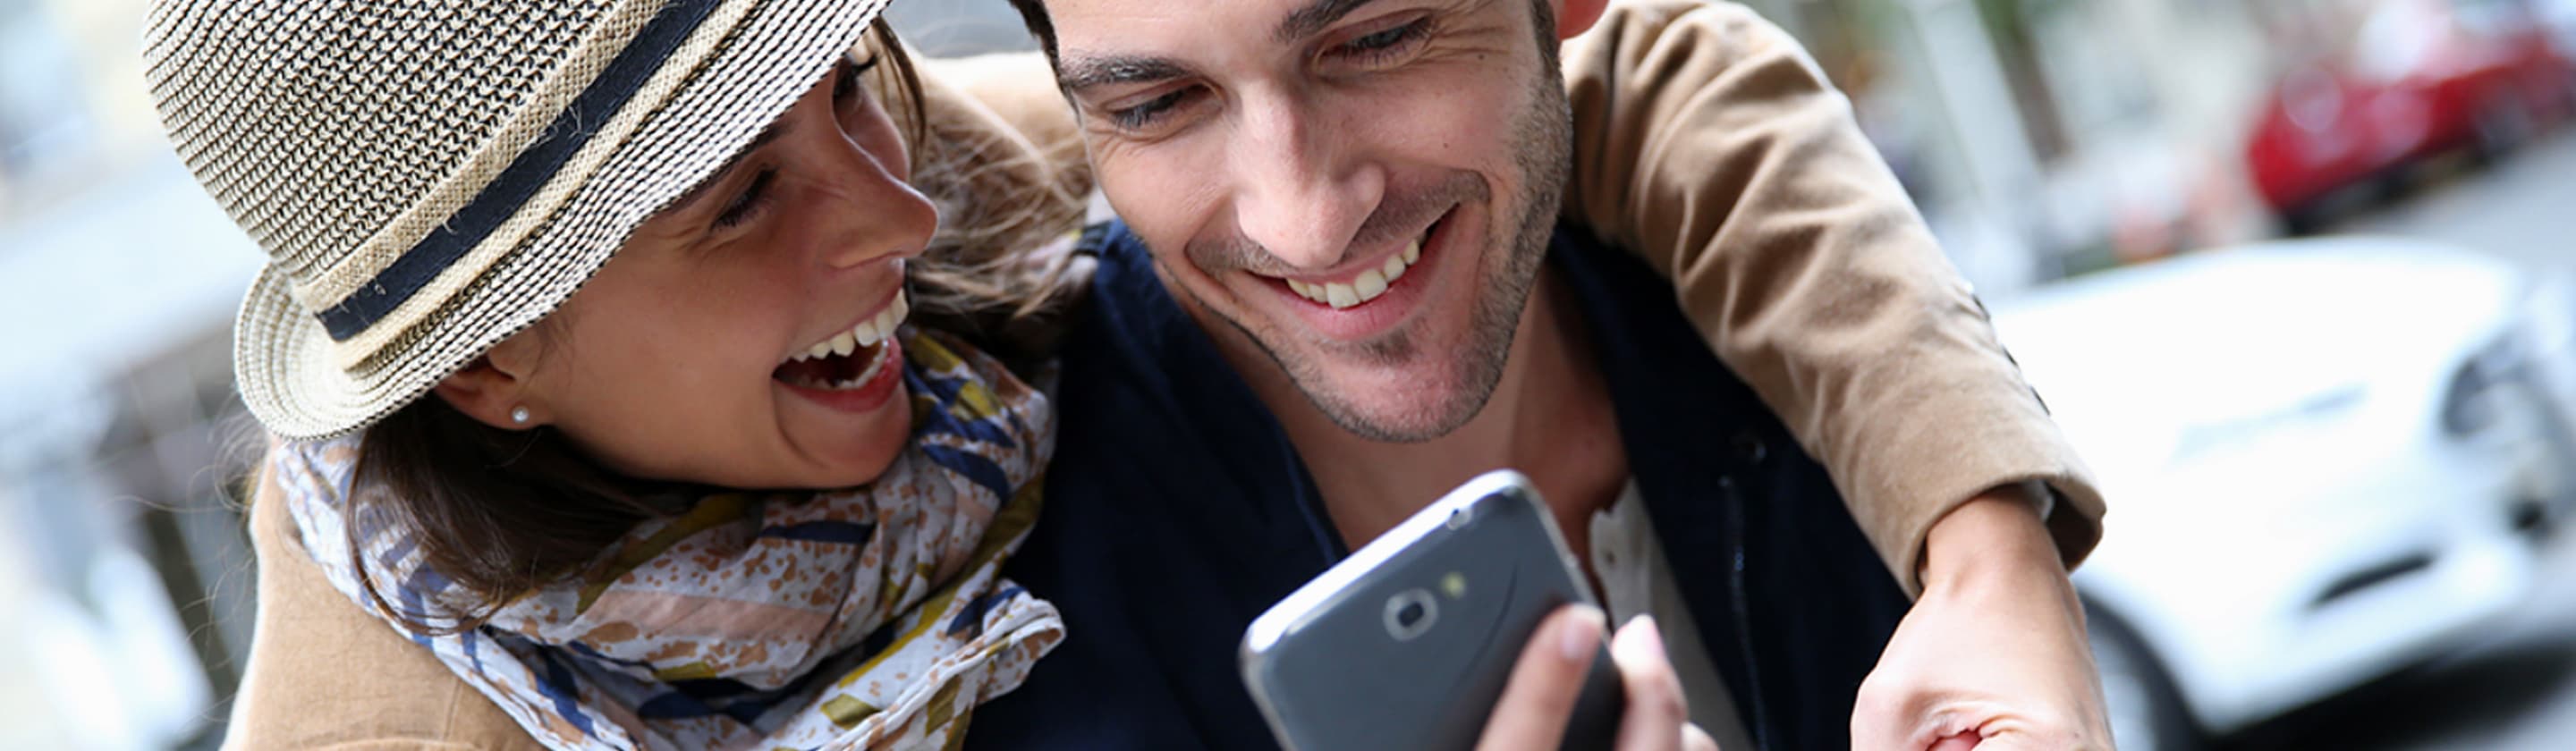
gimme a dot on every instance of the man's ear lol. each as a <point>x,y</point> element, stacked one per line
<point>1577,16</point>
<point>493,389</point>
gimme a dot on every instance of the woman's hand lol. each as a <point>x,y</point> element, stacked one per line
<point>1993,655</point>
<point>1540,698</point>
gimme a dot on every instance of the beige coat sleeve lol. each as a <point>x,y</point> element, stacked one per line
<point>1709,143</point>
<point>324,673</point>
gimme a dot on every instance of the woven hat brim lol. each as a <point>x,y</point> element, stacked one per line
<point>285,363</point>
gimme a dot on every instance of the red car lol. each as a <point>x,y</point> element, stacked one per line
<point>2420,77</point>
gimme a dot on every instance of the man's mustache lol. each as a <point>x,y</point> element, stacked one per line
<point>1401,216</point>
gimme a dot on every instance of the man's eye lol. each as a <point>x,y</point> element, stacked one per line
<point>1143,115</point>
<point>1382,46</point>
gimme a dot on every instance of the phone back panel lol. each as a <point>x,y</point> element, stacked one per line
<point>1409,647</point>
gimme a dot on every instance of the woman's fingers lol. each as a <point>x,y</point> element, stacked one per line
<point>1540,696</point>
<point>1656,712</point>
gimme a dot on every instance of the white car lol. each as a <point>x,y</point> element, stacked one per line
<point>2327,460</point>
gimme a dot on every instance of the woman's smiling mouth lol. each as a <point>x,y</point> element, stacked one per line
<point>866,334</point>
<point>854,370</point>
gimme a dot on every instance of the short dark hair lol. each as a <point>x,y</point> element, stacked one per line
<point>1034,13</point>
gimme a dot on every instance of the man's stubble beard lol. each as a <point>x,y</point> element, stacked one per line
<point>1543,145</point>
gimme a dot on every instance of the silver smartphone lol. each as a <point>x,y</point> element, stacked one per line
<point>1407,643</point>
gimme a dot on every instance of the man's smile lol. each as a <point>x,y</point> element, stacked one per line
<point>1361,288</point>
<point>1366,298</point>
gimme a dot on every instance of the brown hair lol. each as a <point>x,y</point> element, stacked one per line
<point>503,512</point>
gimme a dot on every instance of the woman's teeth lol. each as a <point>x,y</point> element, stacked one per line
<point>1363,288</point>
<point>877,359</point>
<point>867,334</point>
<point>874,364</point>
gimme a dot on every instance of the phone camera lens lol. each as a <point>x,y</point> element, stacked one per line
<point>1458,519</point>
<point>1410,614</point>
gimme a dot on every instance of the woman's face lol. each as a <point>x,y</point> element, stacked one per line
<point>691,355</point>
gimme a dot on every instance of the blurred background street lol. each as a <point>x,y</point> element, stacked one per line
<point>2520,209</point>
<point>2298,276</point>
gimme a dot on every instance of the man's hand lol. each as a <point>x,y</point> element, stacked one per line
<point>1536,704</point>
<point>1993,655</point>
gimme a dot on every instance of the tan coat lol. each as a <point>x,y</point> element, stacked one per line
<point>1706,139</point>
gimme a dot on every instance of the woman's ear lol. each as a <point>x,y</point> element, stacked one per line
<point>494,389</point>
<point>1577,16</point>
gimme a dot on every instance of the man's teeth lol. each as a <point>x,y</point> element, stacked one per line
<point>867,334</point>
<point>1363,288</point>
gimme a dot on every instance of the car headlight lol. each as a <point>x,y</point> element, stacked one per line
<point>2471,406</point>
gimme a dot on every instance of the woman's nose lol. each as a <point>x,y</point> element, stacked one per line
<point>868,213</point>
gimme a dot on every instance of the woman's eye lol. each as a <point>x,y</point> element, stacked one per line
<point>848,83</point>
<point>748,204</point>
<point>1381,46</point>
<point>1143,115</point>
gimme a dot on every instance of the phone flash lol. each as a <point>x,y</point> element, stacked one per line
<point>1454,585</point>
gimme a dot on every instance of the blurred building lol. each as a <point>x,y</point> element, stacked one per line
<point>124,578</point>
<point>2045,138</point>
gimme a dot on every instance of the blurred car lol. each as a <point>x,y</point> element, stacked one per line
<point>2419,78</point>
<point>2329,459</point>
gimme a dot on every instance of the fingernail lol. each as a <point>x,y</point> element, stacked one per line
<point>1581,633</point>
<point>1638,643</point>
<point>1651,636</point>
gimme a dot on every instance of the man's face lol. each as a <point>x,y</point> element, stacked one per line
<point>1362,189</point>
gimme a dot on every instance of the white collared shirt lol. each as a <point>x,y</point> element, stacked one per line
<point>1636,580</point>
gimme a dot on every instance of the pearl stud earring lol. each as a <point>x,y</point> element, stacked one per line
<point>519,415</point>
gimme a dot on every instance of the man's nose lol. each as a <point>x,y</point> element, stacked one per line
<point>1296,191</point>
<point>867,213</point>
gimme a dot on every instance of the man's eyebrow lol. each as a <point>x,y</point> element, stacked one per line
<point>691,198</point>
<point>1077,72</point>
<point>1312,19</point>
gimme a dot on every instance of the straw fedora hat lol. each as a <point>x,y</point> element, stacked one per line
<point>429,177</point>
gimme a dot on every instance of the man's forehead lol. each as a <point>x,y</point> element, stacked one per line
<point>1104,43</point>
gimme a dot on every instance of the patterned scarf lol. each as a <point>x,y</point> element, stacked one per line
<point>872,618</point>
